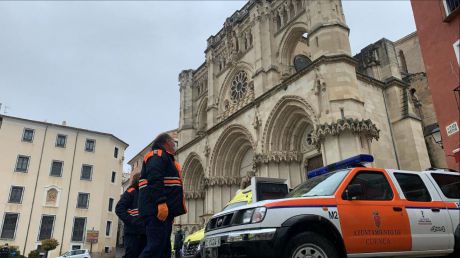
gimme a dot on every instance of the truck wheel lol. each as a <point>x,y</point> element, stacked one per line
<point>312,245</point>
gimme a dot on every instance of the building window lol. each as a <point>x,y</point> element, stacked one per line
<point>86,172</point>
<point>22,163</point>
<point>108,228</point>
<point>457,50</point>
<point>83,200</point>
<point>56,168</point>
<point>115,152</point>
<point>46,227</point>
<point>413,187</point>
<point>10,222</point>
<point>110,204</point>
<point>16,194</point>
<point>90,145</point>
<point>106,249</point>
<point>451,5</point>
<point>78,231</point>
<point>114,175</point>
<point>28,135</point>
<point>61,140</point>
<point>239,86</point>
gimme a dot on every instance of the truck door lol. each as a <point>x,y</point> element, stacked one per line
<point>428,215</point>
<point>374,220</point>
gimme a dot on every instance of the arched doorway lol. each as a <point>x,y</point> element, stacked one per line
<point>287,140</point>
<point>194,187</point>
<point>231,164</point>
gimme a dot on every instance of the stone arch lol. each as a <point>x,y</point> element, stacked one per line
<point>287,122</point>
<point>230,150</point>
<point>193,175</point>
<point>289,43</point>
<point>241,66</point>
<point>201,116</point>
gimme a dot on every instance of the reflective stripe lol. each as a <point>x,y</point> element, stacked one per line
<point>143,182</point>
<point>172,182</point>
<point>172,177</point>
<point>140,187</point>
<point>174,185</point>
<point>134,215</point>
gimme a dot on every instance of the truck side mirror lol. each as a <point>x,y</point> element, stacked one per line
<point>353,191</point>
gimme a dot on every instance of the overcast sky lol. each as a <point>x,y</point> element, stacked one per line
<point>113,66</point>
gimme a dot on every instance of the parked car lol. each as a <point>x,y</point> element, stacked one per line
<point>80,253</point>
<point>346,210</point>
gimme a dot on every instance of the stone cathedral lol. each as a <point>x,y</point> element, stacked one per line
<point>280,94</point>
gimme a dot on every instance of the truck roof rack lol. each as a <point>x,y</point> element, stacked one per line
<point>355,161</point>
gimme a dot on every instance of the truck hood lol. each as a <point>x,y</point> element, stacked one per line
<point>299,201</point>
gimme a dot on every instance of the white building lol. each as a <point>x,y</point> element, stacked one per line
<point>58,182</point>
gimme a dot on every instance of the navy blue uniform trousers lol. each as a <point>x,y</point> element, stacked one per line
<point>134,244</point>
<point>158,238</point>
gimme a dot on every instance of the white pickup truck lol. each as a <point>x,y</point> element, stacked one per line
<point>346,210</point>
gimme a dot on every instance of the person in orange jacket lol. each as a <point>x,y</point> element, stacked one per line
<point>127,210</point>
<point>161,196</point>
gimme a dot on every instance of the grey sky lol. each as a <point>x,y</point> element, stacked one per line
<point>113,66</point>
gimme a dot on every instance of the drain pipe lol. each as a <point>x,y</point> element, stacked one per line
<point>35,191</point>
<point>391,130</point>
<point>68,194</point>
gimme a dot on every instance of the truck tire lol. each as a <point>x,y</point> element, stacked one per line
<point>310,244</point>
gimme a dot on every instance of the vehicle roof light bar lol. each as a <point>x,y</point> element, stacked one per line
<point>356,161</point>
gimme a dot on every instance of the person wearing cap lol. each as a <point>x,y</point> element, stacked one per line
<point>161,196</point>
<point>134,238</point>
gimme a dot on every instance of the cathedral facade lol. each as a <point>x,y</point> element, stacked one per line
<point>280,94</point>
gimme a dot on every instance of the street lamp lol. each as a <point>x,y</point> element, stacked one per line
<point>436,135</point>
<point>457,96</point>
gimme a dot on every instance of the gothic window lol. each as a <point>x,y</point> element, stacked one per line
<point>246,43</point>
<point>239,86</point>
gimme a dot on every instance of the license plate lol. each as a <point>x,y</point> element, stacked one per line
<point>212,242</point>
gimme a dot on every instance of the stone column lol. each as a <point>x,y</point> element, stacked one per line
<point>186,131</point>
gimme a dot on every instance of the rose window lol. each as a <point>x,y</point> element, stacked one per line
<point>239,86</point>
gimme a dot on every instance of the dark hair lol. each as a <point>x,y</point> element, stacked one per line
<point>161,140</point>
<point>135,180</point>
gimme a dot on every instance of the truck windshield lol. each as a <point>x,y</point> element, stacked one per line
<point>324,185</point>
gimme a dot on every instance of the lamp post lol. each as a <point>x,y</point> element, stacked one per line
<point>457,96</point>
<point>436,135</point>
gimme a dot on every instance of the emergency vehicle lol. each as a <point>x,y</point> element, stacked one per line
<point>346,210</point>
<point>267,188</point>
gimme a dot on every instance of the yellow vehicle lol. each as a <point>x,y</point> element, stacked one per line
<point>261,188</point>
<point>192,243</point>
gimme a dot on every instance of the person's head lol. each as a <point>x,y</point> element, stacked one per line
<point>6,244</point>
<point>166,141</point>
<point>135,180</point>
